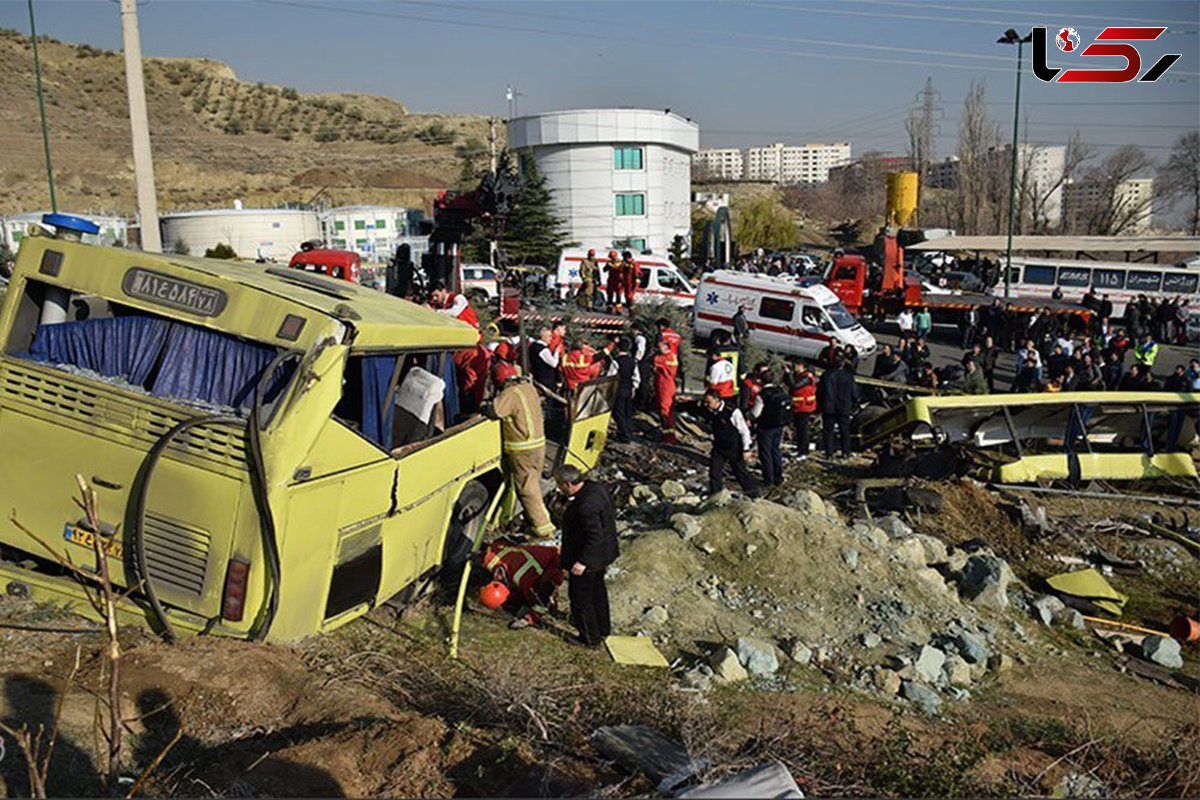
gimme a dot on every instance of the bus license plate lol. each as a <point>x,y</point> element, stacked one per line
<point>112,547</point>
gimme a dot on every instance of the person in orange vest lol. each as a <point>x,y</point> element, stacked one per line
<point>532,573</point>
<point>615,281</point>
<point>631,274</point>
<point>579,365</point>
<point>721,377</point>
<point>473,377</point>
<point>558,336</point>
<point>669,335</point>
<point>666,367</point>
<point>803,388</point>
<point>455,305</point>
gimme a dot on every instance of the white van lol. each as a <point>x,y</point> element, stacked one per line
<point>660,280</point>
<point>783,316</point>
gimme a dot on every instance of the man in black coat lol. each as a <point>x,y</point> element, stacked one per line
<point>589,545</point>
<point>835,398</point>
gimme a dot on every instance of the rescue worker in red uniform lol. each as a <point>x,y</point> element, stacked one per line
<point>579,365</point>
<point>752,383</point>
<point>803,388</point>
<point>615,281</point>
<point>532,573</point>
<point>474,377</point>
<point>666,368</point>
<point>721,377</point>
<point>631,274</point>
<point>454,305</point>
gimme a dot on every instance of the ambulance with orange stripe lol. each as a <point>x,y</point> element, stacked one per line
<point>659,279</point>
<point>783,316</point>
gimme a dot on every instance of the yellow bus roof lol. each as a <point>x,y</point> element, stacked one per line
<point>380,321</point>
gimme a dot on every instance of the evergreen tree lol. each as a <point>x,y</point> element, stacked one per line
<point>533,233</point>
<point>678,252</point>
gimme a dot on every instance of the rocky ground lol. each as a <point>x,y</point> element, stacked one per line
<point>911,653</point>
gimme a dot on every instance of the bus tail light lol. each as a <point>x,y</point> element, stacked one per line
<point>237,578</point>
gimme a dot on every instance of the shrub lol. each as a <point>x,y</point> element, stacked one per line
<point>221,250</point>
<point>327,133</point>
<point>234,126</point>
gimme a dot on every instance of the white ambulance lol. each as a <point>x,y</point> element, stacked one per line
<point>783,316</point>
<point>659,280</point>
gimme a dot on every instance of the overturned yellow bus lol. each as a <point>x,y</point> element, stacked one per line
<point>275,452</point>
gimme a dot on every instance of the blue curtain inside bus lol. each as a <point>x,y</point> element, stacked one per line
<point>443,366</point>
<point>115,347</point>
<point>376,377</point>
<point>212,367</point>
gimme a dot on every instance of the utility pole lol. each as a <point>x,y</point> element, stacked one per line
<point>37,71</point>
<point>139,123</point>
<point>1012,37</point>
<point>493,245</point>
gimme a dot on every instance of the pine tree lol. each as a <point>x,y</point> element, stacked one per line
<point>533,233</point>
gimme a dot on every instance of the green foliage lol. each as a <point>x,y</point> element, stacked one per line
<point>234,125</point>
<point>288,93</point>
<point>899,769</point>
<point>180,248</point>
<point>221,250</point>
<point>435,133</point>
<point>763,221</point>
<point>533,233</point>
<point>470,155</point>
<point>327,133</point>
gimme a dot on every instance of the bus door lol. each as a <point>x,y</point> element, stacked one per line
<point>587,426</point>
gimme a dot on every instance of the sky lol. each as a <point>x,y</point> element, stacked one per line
<point>748,72</point>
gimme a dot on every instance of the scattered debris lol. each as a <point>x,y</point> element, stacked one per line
<point>1089,585</point>
<point>769,780</point>
<point>636,650</point>
<point>924,697</point>
<point>1163,650</point>
<point>646,750</point>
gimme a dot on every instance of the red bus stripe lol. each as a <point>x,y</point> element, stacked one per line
<point>820,337</point>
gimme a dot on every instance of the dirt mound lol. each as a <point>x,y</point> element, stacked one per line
<point>764,569</point>
<point>323,176</point>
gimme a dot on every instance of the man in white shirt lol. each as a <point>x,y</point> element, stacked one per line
<point>905,320</point>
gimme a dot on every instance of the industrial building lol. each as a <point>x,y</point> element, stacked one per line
<point>113,230</point>
<point>619,176</point>
<point>270,234</point>
<point>374,232</point>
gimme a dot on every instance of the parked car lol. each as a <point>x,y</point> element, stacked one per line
<point>479,282</point>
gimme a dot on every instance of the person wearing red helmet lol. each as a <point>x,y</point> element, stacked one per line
<point>530,575</point>
<point>631,274</point>
<point>615,281</point>
<point>523,437</point>
<point>589,271</point>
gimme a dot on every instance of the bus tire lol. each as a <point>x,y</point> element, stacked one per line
<point>465,521</point>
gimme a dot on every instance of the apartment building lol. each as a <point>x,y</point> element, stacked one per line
<point>719,163</point>
<point>807,163</point>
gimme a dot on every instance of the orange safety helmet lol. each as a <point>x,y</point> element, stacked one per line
<point>612,255</point>
<point>591,252</point>
<point>504,371</point>
<point>494,595</point>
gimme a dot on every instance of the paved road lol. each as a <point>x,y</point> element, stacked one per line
<point>944,349</point>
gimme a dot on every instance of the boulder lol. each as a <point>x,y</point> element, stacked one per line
<point>1000,662</point>
<point>757,656</point>
<point>726,667</point>
<point>984,581</point>
<point>895,527</point>
<point>935,549</point>
<point>909,551</point>
<point>931,578</point>
<point>718,500</point>
<point>887,681</point>
<point>687,526</point>
<point>923,697</point>
<point>1163,650</point>
<point>800,653</point>
<point>698,677</point>
<point>956,560</point>
<point>644,494</point>
<point>1047,609</point>
<point>688,500</point>
<point>832,514</point>
<point>971,647</point>
<point>1072,619</point>
<point>958,671</point>
<point>672,490</point>
<point>871,640</point>
<point>929,663</point>
<point>807,501</point>
<point>850,556</point>
<point>870,535</point>
<point>655,615</point>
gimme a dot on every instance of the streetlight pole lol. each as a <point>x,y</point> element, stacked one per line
<point>37,71</point>
<point>1012,37</point>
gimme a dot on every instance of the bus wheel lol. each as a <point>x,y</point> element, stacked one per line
<point>465,521</point>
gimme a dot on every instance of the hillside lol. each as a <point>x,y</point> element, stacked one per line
<point>215,137</point>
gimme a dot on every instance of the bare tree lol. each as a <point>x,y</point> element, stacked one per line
<point>1106,203</point>
<point>1179,178</point>
<point>1046,202</point>
<point>977,137</point>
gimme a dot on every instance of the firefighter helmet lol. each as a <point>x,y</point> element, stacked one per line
<point>493,595</point>
<point>591,252</point>
<point>612,255</point>
<point>504,371</point>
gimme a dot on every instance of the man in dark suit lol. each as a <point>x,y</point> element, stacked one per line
<point>835,398</point>
<point>589,545</point>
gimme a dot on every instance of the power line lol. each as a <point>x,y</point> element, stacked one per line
<point>574,35</point>
<point>1072,15</point>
